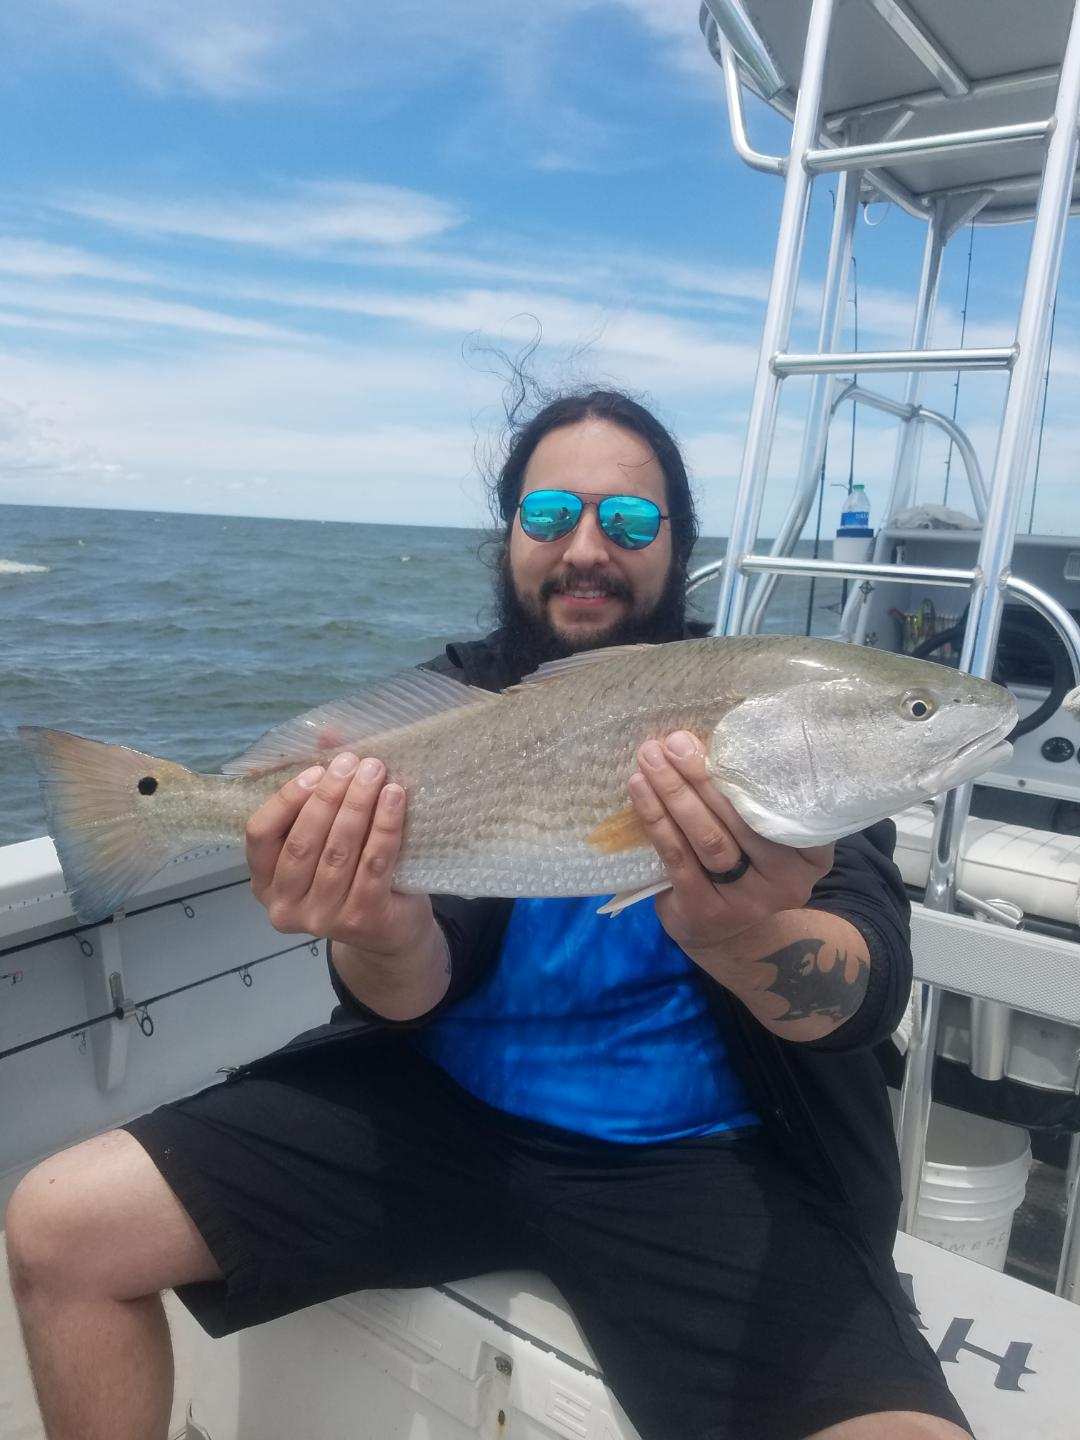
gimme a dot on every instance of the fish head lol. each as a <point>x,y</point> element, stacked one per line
<point>832,747</point>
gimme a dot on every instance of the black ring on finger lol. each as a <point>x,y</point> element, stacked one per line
<point>737,871</point>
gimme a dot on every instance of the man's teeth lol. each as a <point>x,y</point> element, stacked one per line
<point>587,594</point>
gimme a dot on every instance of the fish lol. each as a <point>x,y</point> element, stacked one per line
<point>524,792</point>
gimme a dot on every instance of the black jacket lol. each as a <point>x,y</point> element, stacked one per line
<point>824,1100</point>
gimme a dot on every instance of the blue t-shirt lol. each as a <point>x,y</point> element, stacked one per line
<point>593,1024</point>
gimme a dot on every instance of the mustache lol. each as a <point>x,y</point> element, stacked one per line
<point>573,580</point>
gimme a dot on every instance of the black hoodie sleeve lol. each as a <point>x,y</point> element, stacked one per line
<point>473,930</point>
<point>864,887</point>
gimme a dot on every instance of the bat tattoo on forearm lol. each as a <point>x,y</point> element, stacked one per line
<point>814,983</point>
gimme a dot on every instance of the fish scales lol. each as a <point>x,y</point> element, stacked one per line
<point>543,769</point>
<point>809,739</point>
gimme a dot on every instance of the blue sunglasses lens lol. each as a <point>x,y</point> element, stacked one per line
<point>629,520</point>
<point>550,514</point>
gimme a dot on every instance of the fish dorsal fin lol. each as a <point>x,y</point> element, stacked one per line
<point>390,704</point>
<point>556,669</point>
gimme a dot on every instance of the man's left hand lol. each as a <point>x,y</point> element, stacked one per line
<point>695,829</point>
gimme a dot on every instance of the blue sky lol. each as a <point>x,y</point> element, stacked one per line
<point>251,254</point>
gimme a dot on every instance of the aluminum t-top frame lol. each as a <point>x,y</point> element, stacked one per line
<point>988,178</point>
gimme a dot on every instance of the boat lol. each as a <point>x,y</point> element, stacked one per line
<point>960,115</point>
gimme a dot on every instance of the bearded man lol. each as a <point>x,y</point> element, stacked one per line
<point>676,1114</point>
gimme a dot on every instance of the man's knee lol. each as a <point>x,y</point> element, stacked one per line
<point>35,1234</point>
<point>99,1220</point>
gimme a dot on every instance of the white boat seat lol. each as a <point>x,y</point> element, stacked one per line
<point>448,1362</point>
<point>1037,869</point>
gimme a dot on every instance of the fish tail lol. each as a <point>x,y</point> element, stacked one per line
<point>104,837</point>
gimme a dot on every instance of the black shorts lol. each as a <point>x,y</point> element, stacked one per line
<point>715,1287</point>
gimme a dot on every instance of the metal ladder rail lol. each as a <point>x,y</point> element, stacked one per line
<point>946,219</point>
<point>773,363</point>
<point>1051,216</point>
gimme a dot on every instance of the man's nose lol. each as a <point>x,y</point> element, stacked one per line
<point>587,545</point>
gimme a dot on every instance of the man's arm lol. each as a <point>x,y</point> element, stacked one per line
<point>787,939</point>
<point>801,973</point>
<point>322,852</point>
<point>395,987</point>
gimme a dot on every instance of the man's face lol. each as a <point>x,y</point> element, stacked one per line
<point>585,590</point>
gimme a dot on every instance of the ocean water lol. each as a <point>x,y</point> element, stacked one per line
<point>187,636</point>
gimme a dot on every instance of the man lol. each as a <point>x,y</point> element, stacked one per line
<point>675,1113</point>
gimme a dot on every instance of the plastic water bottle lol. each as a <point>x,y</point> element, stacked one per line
<point>854,538</point>
<point>855,513</point>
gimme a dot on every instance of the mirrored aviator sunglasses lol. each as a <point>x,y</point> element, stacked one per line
<point>629,521</point>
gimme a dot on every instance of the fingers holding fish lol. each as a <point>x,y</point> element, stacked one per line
<point>268,828</point>
<point>374,917</point>
<point>350,807</point>
<point>791,872</point>
<point>795,869</point>
<point>695,912</point>
<point>370,891</point>
<point>712,841</point>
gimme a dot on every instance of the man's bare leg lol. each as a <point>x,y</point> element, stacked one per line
<point>93,1235</point>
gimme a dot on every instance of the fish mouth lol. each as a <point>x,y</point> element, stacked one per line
<point>984,753</point>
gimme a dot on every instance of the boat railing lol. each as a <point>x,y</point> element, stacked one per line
<point>867,143</point>
<point>1011,585</point>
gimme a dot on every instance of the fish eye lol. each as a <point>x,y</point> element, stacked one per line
<point>917,705</point>
<point>147,785</point>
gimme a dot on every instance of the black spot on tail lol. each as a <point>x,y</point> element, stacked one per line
<point>147,785</point>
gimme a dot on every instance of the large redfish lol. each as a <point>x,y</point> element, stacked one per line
<point>525,793</point>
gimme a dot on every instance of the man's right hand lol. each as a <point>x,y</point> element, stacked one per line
<point>322,853</point>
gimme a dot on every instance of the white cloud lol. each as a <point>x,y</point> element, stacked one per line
<point>314,217</point>
<point>241,48</point>
<point>222,50</point>
<point>34,445</point>
<point>331,434</point>
<point>137,311</point>
<point>42,260</point>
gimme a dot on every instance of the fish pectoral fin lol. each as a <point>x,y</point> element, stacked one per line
<point>392,704</point>
<point>618,832</point>
<point>620,902</point>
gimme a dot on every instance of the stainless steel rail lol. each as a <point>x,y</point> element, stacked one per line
<point>924,46</point>
<point>922,414</point>
<point>996,357</point>
<point>1024,362</point>
<point>928,147</point>
<point>736,26</point>
<point>728,20</point>
<point>1011,585</point>
<point>782,289</point>
<point>768,164</point>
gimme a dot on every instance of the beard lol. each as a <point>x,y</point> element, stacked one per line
<point>527,638</point>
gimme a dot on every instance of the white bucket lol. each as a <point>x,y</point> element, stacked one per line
<point>974,1181</point>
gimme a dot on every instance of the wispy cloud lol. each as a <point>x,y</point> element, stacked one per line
<point>224,50</point>
<point>42,260</point>
<point>314,217</point>
<point>239,48</point>
<point>137,311</point>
